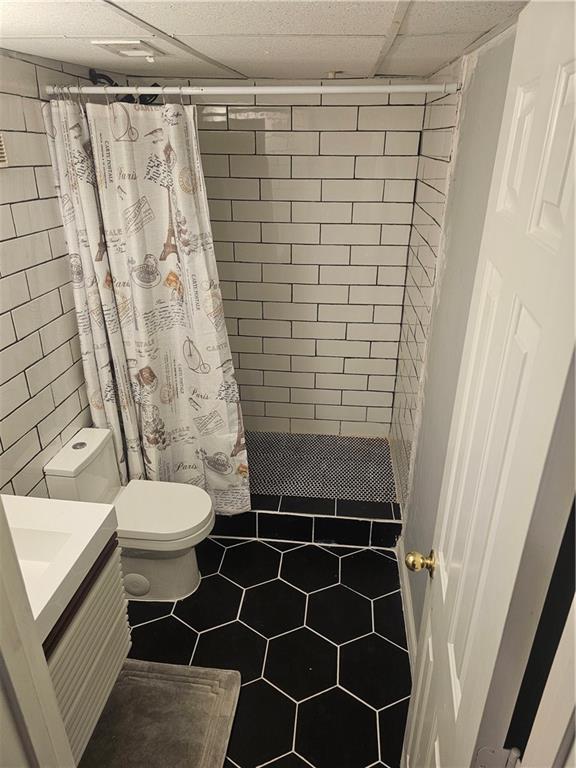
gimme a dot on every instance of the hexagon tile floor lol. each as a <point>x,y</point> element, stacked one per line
<point>317,634</point>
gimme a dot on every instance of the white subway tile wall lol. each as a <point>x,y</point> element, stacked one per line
<point>42,394</point>
<point>311,200</point>
<point>436,143</point>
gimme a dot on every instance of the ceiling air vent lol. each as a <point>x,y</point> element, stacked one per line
<point>3,155</point>
<point>130,49</point>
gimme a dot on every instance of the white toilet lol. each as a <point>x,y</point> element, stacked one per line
<point>159,523</point>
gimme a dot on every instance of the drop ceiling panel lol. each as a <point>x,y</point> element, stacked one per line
<point>423,55</point>
<point>80,51</point>
<point>260,38</point>
<point>291,57</point>
<point>261,17</point>
<point>428,17</point>
<point>63,19</point>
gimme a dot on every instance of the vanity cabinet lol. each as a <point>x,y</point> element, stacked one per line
<point>88,645</point>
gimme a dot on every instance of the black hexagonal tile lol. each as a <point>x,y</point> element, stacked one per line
<point>335,730</point>
<point>273,608</point>
<point>389,618</point>
<point>146,610</point>
<point>228,542</point>
<point>392,724</point>
<point>340,551</point>
<point>284,546</point>
<point>215,602</point>
<point>209,554</point>
<point>339,614</point>
<point>370,574</point>
<point>310,568</point>
<point>165,640</point>
<point>251,563</point>
<point>263,727</point>
<point>374,670</point>
<point>233,646</point>
<point>289,761</point>
<point>301,664</point>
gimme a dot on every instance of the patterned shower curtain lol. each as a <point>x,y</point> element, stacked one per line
<point>155,350</point>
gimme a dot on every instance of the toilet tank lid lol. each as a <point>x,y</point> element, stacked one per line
<point>157,510</point>
<point>78,452</point>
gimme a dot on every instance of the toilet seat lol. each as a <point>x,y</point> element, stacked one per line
<point>156,515</point>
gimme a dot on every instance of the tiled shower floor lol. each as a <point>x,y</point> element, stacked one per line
<point>322,466</point>
<point>317,634</point>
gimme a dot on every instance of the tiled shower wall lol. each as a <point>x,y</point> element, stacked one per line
<point>42,399</point>
<point>312,226</point>
<point>436,146</point>
<point>311,201</point>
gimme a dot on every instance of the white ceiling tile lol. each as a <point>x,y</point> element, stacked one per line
<point>266,17</point>
<point>76,18</point>
<point>424,54</point>
<point>39,60</point>
<point>288,57</point>
<point>433,17</point>
<point>80,51</point>
<point>290,39</point>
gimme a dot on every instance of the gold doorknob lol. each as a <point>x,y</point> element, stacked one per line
<point>415,561</point>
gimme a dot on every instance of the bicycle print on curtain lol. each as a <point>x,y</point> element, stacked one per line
<point>152,326</point>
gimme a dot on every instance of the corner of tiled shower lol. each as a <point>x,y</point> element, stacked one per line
<point>425,253</point>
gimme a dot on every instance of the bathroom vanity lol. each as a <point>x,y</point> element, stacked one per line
<point>70,560</point>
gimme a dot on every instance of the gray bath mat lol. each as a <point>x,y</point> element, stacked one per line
<point>165,716</point>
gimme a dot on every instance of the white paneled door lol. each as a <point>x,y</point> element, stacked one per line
<point>518,348</point>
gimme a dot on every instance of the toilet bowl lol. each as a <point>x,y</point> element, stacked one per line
<point>159,523</point>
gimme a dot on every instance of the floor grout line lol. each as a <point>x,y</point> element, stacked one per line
<point>284,513</point>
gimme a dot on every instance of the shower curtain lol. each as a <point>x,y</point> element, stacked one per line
<point>154,345</point>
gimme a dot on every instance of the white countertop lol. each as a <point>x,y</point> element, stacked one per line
<point>56,543</point>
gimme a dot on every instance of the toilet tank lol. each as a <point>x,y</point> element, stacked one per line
<point>85,469</point>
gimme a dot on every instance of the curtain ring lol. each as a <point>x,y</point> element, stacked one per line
<point>137,90</point>
<point>77,100</point>
<point>106,96</point>
<point>163,94</point>
<point>181,98</point>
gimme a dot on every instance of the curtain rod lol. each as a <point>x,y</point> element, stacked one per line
<point>211,90</point>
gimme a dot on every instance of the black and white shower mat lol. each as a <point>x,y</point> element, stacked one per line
<point>321,466</point>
